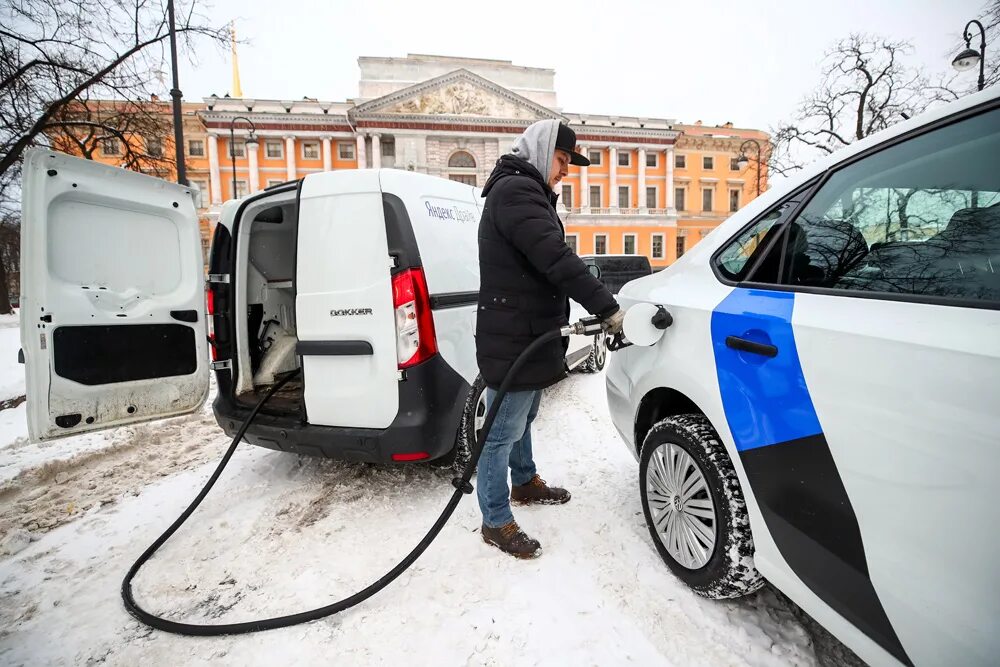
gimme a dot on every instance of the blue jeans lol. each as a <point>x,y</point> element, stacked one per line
<point>508,443</point>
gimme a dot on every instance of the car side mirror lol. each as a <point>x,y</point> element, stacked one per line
<point>595,270</point>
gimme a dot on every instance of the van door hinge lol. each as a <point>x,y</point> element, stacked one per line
<point>401,376</point>
<point>225,365</point>
<point>218,278</point>
<point>393,261</point>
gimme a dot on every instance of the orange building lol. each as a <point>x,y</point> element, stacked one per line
<point>655,187</point>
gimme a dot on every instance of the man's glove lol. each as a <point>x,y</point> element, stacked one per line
<point>613,323</point>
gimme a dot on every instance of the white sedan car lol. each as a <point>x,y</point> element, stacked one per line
<point>824,411</point>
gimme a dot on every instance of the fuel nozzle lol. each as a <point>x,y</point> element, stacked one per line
<point>586,326</point>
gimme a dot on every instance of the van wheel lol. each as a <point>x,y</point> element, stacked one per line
<point>694,508</point>
<point>598,356</point>
<point>473,419</point>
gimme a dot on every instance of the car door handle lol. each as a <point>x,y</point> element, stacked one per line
<point>753,347</point>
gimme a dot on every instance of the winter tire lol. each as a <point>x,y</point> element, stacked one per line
<point>694,508</point>
<point>598,356</point>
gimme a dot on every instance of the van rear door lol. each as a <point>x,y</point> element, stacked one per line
<point>113,300</point>
<point>344,304</point>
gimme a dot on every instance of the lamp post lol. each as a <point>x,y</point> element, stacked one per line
<point>175,96</point>
<point>969,58</point>
<point>743,161</point>
<point>251,139</point>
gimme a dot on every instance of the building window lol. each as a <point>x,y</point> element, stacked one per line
<point>571,241</point>
<point>657,246</point>
<point>595,196</point>
<point>462,160</point>
<point>628,244</point>
<point>623,199</point>
<point>706,199</point>
<point>679,203</point>
<point>389,149</point>
<point>271,182</point>
<point>196,148</point>
<point>111,147</point>
<point>600,244</point>
<point>241,189</point>
<point>650,197</point>
<point>345,150</point>
<point>567,196</point>
<point>651,159</point>
<point>594,157</point>
<point>203,193</point>
<point>468,179</point>
<point>680,247</point>
<point>310,150</point>
<point>734,200</point>
<point>154,147</point>
<point>624,158</point>
<point>680,161</point>
<point>275,150</point>
<point>238,148</point>
<point>734,164</point>
<point>708,162</point>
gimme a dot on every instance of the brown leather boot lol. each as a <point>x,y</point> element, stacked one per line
<point>510,539</point>
<point>537,492</point>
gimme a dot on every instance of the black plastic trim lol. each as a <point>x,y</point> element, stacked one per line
<point>333,348</point>
<point>431,402</point>
<point>401,241</point>
<point>184,315</point>
<point>453,300</point>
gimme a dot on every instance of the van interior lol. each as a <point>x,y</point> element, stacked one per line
<point>265,292</point>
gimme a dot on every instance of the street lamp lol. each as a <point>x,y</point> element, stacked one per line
<point>969,58</point>
<point>251,141</point>
<point>743,161</point>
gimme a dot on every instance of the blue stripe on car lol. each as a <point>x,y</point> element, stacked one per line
<point>766,400</point>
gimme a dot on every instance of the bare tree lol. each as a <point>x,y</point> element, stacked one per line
<point>866,86</point>
<point>134,131</point>
<point>57,53</point>
<point>10,259</point>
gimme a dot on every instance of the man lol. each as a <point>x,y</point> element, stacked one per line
<point>526,274</point>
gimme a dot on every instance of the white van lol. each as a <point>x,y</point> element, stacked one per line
<point>367,280</point>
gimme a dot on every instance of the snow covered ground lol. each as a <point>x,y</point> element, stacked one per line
<point>282,533</point>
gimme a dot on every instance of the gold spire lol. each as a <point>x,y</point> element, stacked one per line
<point>237,89</point>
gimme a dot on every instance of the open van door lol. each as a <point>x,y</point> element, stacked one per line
<point>113,301</point>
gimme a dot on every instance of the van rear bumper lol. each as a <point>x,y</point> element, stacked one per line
<point>431,400</point>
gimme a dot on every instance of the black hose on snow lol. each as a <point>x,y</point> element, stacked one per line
<point>462,487</point>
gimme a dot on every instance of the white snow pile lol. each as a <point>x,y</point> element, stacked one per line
<point>282,533</point>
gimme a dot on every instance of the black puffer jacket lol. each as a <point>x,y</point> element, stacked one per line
<point>526,273</point>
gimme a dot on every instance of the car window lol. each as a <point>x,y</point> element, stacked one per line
<point>734,261</point>
<point>920,218</point>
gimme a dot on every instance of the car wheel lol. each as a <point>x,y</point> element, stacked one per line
<point>694,508</point>
<point>598,356</point>
<point>470,426</point>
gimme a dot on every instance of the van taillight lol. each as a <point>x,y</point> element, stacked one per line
<point>415,339</point>
<point>210,311</point>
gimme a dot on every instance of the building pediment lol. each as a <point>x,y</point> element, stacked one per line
<point>459,94</point>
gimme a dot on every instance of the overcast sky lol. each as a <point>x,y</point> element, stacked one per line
<point>747,61</point>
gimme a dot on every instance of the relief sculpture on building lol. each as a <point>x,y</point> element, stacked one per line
<point>461,99</point>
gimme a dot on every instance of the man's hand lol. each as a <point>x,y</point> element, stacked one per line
<point>613,323</point>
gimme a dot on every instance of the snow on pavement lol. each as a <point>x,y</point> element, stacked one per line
<point>282,533</point>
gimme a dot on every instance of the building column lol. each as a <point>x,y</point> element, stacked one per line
<point>327,155</point>
<point>671,210</point>
<point>642,180</point>
<point>613,171</point>
<point>290,158</point>
<point>253,175</point>
<point>376,151</point>
<point>362,158</point>
<point>213,168</point>
<point>584,185</point>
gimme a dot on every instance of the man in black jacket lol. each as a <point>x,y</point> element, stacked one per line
<point>527,273</point>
